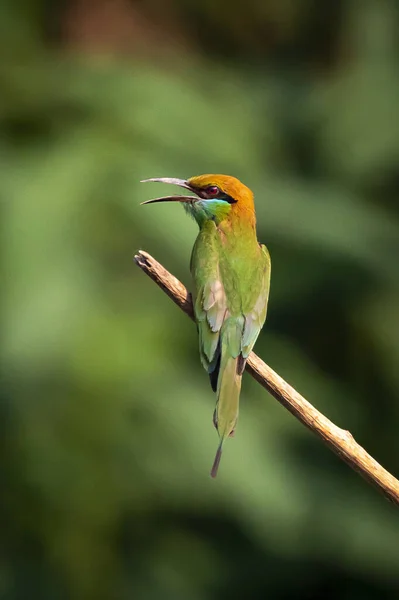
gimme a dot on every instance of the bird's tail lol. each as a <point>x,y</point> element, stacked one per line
<point>228,397</point>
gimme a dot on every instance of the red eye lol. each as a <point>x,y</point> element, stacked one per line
<point>212,190</point>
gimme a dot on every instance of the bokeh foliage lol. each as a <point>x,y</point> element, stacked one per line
<point>106,413</point>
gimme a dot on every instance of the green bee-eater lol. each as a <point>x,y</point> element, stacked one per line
<point>231,273</point>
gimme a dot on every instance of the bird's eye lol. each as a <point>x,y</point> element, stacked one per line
<point>212,190</point>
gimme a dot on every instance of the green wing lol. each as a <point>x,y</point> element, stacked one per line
<point>255,316</point>
<point>210,301</point>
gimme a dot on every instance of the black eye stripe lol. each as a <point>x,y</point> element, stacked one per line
<point>214,192</point>
<point>228,199</point>
<point>206,193</point>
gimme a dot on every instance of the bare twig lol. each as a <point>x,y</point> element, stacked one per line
<point>339,440</point>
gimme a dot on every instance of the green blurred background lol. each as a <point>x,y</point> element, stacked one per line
<point>106,413</point>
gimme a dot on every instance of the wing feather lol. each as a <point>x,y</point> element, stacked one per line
<point>255,319</point>
<point>210,305</point>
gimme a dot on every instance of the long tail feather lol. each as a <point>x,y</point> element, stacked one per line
<point>228,391</point>
<point>216,462</point>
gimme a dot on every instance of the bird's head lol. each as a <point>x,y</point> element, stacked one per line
<point>218,197</point>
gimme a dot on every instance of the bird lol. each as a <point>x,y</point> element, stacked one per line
<point>231,274</point>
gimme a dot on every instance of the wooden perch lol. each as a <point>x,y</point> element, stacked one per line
<point>339,440</point>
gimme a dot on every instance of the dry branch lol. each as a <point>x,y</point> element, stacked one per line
<point>339,440</point>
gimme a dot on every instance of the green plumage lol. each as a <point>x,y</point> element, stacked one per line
<point>231,273</point>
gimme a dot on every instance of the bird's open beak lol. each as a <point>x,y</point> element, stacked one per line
<point>180,182</point>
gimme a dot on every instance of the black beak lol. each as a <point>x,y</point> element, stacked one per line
<point>180,182</point>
